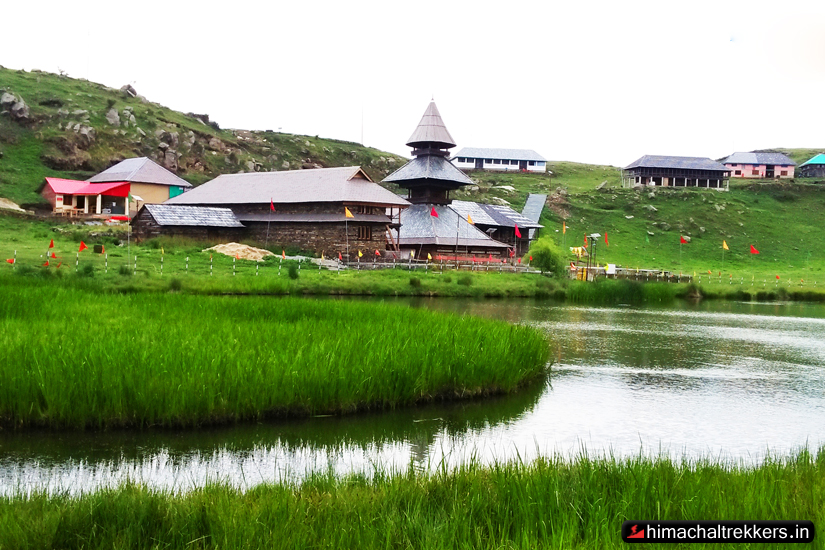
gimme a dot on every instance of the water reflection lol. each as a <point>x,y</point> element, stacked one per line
<point>721,379</point>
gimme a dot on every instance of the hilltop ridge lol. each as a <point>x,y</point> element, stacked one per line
<point>54,125</point>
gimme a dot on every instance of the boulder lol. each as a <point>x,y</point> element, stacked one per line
<point>170,160</point>
<point>7,100</point>
<point>686,238</point>
<point>285,165</point>
<point>651,208</point>
<point>20,111</point>
<point>601,185</point>
<point>112,117</point>
<point>141,132</point>
<point>80,112</point>
<point>128,90</point>
<point>250,165</point>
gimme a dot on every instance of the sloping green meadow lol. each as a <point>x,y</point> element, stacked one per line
<point>81,359</point>
<point>549,503</point>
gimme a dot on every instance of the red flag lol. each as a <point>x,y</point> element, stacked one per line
<point>102,249</point>
<point>377,253</point>
<point>433,213</point>
<point>340,259</point>
<point>682,240</point>
<point>54,255</point>
<point>777,276</point>
<point>518,233</point>
<point>531,258</point>
<point>585,240</point>
<point>491,257</point>
<point>754,251</point>
<point>283,254</point>
<point>271,205</point>
<point>512,252</point>
<point>519,260</point>
<point>605,239</point>
<point>10,260</point>
<point>51,243</point>
<point>82,246</point>
<point>46,264</point>
<point>237,256</point>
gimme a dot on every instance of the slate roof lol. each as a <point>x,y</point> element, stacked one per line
<point>166,214</point>
<point>348,184</point>
<point>492,214</point>
<point>504,154</point>
<point>689,163</point>
<point>533,207</point>
<point>418,226</point>
<point>432,130</point>
<point>817,159</point>
<point>314,218</point>
<point>139,170</point>
<point>759,158</point>
<point>432,167</point>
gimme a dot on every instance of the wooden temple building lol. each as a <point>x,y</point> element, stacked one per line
<point>431,225</point>
<point>306,209</point>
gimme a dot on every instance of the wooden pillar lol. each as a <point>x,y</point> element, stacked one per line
<point>99,205</point>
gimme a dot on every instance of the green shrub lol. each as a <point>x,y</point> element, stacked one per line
<point>465,280</point>
<point>447,279</point>
<point>175,284</point>
<point>87,270</point>
<point>125,270</point>
<point>415,282</point>
<point>293,272</point>
<point>547,257</point>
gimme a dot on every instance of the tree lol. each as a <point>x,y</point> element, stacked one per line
<point>547,256</point>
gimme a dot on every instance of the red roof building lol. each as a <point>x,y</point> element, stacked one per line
<point>72,197</point>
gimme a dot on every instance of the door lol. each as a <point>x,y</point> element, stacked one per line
<point>479,164</point>
<point>522,165</point>
<point>769,171</point>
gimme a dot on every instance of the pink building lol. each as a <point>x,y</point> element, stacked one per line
<point>760,165</point>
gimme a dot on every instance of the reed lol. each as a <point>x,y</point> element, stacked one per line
<point>549,503</point>
<point>71,357</point>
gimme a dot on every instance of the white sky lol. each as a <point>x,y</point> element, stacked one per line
<point>600,82</point>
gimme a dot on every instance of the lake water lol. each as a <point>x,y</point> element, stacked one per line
<point>719,380</point>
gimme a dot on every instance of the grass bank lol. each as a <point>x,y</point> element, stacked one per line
<point>74,358</point>
<point>550,503</point>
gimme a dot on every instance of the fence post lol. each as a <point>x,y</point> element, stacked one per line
<point>77,260</point>
<point>210,265</point>
<point>256,269</point>
<point>187,265</point>
<point>161,265</point>
<point>135,271</point>
<point>106,262</point>
<point>233,267</point>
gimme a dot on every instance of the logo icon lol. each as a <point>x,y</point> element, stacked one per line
<point>634,535</point>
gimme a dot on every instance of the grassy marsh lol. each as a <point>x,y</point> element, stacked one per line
<point>549,503</point>
<point>74,358</point>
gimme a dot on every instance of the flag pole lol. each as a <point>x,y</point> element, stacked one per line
<point>268,220</point>
<point>457,230</point>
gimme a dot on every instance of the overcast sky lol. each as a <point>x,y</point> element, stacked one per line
<point>598,82</point>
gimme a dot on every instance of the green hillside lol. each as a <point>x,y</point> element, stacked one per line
<point>66,133</point>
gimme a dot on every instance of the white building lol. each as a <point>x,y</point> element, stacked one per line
<point>515,160</point>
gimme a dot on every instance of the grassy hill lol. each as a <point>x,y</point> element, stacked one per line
<point>75,128</point>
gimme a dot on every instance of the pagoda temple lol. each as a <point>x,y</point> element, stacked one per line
<point>431,226</point>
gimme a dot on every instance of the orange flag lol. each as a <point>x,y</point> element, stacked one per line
<point>82,246</point>
<point>102,249</point>
<point>563,227</point>
<point>283,254</point>
<point>51,243</point>
<point>605,239</point>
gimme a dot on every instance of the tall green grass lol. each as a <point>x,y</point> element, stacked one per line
<point>550,503</point>
<point>74,358</point>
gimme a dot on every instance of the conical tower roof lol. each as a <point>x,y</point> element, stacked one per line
<point>431,131</point>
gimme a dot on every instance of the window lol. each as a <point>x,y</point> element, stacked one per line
<point>514,163</point>
<point>754,172</point>
<point>362,209</point>
<point>497,161</point>
<point>738,172</point>
<point>488,161</point>
<point>364,233</point>
<point>531,163</point>
<point>540,163</point>
<point>783,173</point>
<point>460,159</point>
<point>468,159</point>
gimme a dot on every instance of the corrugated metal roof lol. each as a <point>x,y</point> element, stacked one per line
<point>346,184</point>
<point>534,206</point>
<point>139,170</point>
<point>504,154</point>
<point>430,167</point>
<point>817,159</point>
<point>759,158</point>
<point>73,187</point>
<point>492,214</point>
<point>199,216</point>
<point>418,226</point>
<point>431,129</point>
<point>314,218</point>
<point>688,163</point>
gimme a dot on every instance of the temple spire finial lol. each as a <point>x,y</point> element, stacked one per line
<point>431,132</point>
